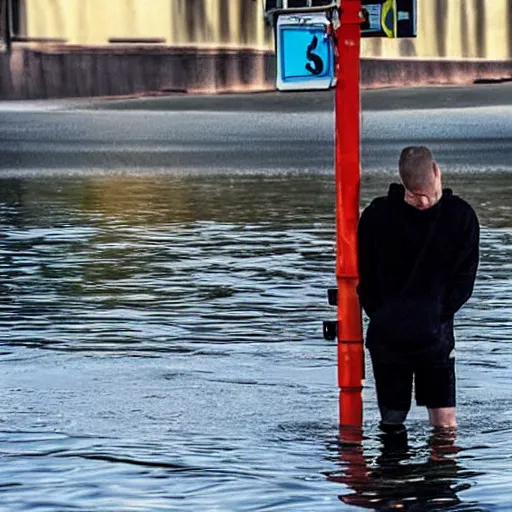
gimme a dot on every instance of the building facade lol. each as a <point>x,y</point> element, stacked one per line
<point>105,47</point>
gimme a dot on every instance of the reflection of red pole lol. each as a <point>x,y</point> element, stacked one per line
<point>350,336</point>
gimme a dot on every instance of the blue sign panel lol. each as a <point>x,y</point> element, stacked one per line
<point>305,54</point>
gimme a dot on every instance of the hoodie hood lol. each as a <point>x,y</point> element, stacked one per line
<point>396,195</point>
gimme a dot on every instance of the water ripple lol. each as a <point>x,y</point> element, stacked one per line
<point>161,349</point>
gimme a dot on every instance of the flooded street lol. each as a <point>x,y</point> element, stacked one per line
<point>163,282</point>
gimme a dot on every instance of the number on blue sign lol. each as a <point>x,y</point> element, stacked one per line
<point>318,64</point>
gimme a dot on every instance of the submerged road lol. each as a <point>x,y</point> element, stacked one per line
<point>255,132</point>
<point>161,332</point>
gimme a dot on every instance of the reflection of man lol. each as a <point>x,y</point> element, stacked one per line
<point>397,479</point>
<point>418,256</point>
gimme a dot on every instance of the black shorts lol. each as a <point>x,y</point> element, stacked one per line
<point>434,384</point>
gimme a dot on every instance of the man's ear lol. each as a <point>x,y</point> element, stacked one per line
<point>437,170</point>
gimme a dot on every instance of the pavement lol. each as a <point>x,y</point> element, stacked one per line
<point>432,97</point>
<point>468,127</point>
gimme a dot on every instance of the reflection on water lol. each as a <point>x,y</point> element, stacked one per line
<point>402,477</point>
<point>161,349</point>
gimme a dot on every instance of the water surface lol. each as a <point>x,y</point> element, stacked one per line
<point>161,347</point>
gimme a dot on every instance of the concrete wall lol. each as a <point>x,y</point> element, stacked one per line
<point>82,72</point>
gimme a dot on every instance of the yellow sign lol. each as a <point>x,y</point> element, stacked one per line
<point>389,18</point>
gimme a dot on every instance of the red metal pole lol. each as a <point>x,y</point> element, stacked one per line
<point>347,112</point>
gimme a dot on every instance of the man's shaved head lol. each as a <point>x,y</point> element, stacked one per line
<point>416,167</point>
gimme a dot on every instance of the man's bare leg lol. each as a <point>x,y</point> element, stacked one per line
<point>443,417</point>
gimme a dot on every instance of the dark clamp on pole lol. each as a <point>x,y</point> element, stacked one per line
<point>330,327</point>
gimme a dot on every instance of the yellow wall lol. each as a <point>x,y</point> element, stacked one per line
<point>95,21</point>
<point>207,23</point>
<point>456,29</point>
<point>447,28</point>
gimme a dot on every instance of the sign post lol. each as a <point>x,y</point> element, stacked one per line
<point>347,173</point>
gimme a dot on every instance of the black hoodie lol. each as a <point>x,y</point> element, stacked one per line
<point>417,263</point>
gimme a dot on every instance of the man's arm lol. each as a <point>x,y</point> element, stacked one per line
<point>367,287</point>
<point>460,285</point>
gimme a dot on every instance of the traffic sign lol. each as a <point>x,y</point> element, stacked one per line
<point>305,52</point>
<point>389,18</point>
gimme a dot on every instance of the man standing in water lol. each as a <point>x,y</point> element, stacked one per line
<point>418,256</point>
